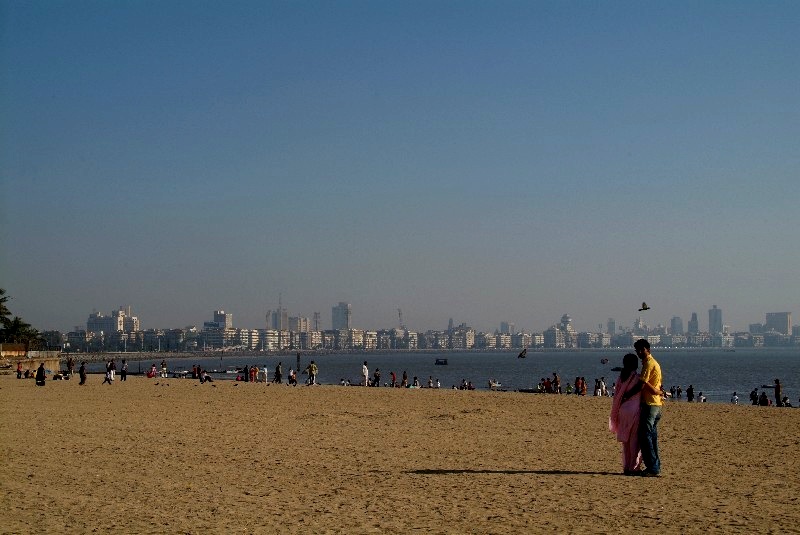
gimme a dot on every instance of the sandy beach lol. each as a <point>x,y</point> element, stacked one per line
<point>174,456</point>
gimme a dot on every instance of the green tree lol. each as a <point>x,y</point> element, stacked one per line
<point>5,314</point>
<point>15,330</point>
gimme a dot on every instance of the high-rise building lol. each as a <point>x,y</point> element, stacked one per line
<point>611,326</point>
<point>223,320</point>
<point>693,326</point>
<point>341,316</point>
<point>278,319</point>
<point>715,320</point>
<point>779,322</point>
<point>676,325</point>
<point>507,328</point>
<point>119,321</point>
<point>299,324</point>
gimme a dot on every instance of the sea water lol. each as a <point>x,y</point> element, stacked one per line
<point>717,373</point>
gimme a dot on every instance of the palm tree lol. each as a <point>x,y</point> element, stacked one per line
<point>5,314</point>
<point>15,330</point>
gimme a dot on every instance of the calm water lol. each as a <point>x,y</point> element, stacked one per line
<point>715,373</point>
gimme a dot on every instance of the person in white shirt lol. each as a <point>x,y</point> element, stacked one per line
<point>365,373</point>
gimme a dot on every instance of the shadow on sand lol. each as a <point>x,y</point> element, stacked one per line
<point>445,471</point>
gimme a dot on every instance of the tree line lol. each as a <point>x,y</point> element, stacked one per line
<point>14,330</point>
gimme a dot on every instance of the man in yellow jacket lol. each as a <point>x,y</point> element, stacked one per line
<point>652,398</point>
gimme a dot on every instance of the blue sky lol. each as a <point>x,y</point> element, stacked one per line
<point>485,161</point>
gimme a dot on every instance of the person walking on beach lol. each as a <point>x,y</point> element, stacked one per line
<point>82,373</point>
<point>108,377</point>
<point>312,373</point>
<point>123,374</point>
<point>365,373</point>
<point>651,394</point>
<point>624,418</point>
<point>41,375</point>
<point>278,378</point>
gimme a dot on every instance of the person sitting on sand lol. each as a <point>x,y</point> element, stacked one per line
<point>624,418</point>
<point>778,395</point>
<point>205,377</point>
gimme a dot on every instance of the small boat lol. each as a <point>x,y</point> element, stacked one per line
<point>523,354</point>
<point>441,362</point>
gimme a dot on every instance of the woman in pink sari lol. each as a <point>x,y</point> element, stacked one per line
<point>624,419</point>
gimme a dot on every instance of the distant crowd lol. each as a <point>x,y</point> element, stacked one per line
<point>256,374</point>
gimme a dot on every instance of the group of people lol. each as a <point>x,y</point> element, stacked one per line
<point>553,386</point>
<point>40,375</point>
<point>764,401</point>
<point>111,371</point>
<point>636,411</point>
<point>394,382</point>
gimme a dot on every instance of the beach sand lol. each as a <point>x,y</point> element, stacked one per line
<point>141,457</point>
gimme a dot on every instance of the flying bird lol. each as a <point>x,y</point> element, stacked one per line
<point>644,307</point>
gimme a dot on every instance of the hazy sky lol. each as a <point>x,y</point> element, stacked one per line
<point>486,161</point>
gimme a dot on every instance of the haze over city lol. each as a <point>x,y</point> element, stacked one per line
<point>481,161</point>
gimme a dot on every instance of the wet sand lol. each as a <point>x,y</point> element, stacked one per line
<point>141,457</point>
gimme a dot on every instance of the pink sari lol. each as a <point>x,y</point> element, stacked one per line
<point>624,421</point>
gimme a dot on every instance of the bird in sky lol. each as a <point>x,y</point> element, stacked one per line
<point>644,307</point>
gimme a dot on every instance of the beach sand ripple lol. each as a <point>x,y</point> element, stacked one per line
<point>137,457</point>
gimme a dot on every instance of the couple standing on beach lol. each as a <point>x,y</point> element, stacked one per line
<point>636,411</point>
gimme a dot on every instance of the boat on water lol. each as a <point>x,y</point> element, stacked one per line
<point>441,362</point>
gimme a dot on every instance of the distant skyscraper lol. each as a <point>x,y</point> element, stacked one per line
<point>507,328</point>
<point>779,322</point>
<point>694,325</point>
<point>299,324</point>
<point>316,321</point>
<point>715,320</point>
<point>676,325</point>
<point>611,326</point>
<point>225,321</point>
<point>341,316</point>
<point>278,319</point>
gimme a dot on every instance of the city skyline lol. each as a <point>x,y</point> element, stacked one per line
<point>780,321</point>
<point>483,161</point>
